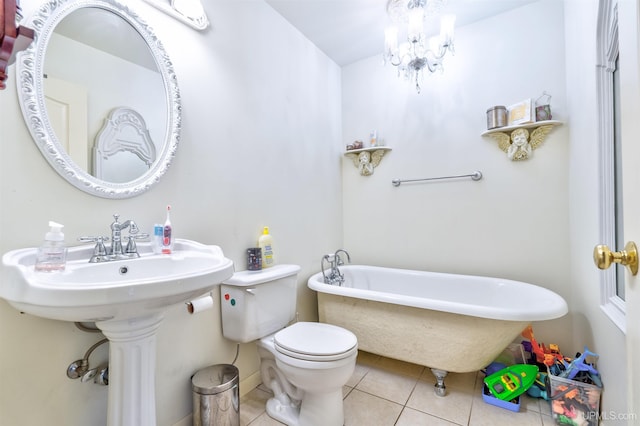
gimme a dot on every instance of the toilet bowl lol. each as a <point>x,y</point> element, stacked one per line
<point>305,364</point>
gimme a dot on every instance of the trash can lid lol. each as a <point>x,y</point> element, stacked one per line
<point>215,379</point>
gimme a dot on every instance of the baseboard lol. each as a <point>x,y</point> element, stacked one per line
<point>250,383</point>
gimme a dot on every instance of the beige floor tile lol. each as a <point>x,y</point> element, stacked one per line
<point>362,409</point>
<point>545,407</point>
<point>263,420</point>
<point>345,391</point>
<point>454,380</point>
<point>548,421</point>
<point>531,404</point>
<point>410,417</point>
<point>484,414</point>
<point>359,372</point>
<point>454,407</point>
<point>252,405</point>
<point>394,387</point>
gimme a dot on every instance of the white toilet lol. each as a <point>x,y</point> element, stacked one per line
<point>305,364</point>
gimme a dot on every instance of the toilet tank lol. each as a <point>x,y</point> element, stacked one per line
<point>258,303</point>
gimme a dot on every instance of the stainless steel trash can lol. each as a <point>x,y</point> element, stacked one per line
<point>215,396</point>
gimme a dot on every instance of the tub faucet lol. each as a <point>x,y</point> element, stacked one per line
<point>335,261</point>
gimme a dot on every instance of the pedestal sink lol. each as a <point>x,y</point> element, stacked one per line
<point>126,299</point>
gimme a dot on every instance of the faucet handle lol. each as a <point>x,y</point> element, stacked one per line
<point>99,251</point>
<point>136,236</point>
<point>132,248</point>
<point>93,239</point>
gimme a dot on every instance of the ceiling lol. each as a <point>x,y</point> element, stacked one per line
<point>351,30</point>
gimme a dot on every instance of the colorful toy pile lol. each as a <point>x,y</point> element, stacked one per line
<point>572,385</point>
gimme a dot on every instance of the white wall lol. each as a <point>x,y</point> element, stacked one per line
<point>260,146</point>
<point>591,326</point>
<point>513,223</point>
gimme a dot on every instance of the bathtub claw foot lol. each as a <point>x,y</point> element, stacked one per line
<point>440,388</point>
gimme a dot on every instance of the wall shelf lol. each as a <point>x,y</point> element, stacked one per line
<point>367,159</point>
<point>518,141</point>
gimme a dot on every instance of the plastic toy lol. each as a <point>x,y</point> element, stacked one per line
<point>539,388</point>
<point>512,381</point>
<point>579,365</point>
<point>544,355</point>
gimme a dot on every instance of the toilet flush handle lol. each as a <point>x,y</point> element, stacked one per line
<point>251,291</point>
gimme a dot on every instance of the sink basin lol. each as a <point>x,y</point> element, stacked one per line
<point>126,299</point>
<point>88,292</point>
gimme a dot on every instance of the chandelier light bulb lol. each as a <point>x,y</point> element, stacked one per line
<point>416,21</point>
<point>447,23</point>
<point>390,43</point>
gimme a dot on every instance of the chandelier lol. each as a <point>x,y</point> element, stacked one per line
<point>417,53</point>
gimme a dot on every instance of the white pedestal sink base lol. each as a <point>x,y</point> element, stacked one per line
<point>132,365</point>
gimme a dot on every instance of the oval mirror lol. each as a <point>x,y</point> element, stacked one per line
<point>99,96</point>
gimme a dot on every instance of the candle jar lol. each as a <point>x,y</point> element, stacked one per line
<point>254,259</point>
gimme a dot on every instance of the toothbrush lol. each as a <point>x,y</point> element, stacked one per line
<point>166,234</point>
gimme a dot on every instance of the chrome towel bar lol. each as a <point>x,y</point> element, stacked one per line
<point>477,175</point>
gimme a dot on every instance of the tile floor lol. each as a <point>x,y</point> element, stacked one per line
<point>387,392</point>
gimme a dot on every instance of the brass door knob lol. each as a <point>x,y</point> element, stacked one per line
<point>603,257</point>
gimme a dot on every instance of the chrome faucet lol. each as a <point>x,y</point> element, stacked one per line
<point>335,261</point>
<point>116,236</point>
<point>116,252</point>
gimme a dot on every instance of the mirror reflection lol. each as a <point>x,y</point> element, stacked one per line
<point>87,77</point>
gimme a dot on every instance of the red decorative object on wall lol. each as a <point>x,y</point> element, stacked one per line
<point>13,38</point>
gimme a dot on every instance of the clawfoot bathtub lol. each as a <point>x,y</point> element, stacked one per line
<point>447,322</point>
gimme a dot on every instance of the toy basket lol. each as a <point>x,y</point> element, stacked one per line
<point>573,402</point>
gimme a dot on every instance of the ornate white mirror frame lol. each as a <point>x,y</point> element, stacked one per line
<point>30,81</point>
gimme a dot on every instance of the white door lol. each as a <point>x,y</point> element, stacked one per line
<point>67,110</point>
<point>629,33</point>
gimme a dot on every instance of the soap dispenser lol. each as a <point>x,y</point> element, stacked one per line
<point>52,254</point>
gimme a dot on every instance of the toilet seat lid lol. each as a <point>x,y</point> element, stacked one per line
<point>315,341</point>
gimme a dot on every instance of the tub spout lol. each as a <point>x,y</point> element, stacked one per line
<point>339,261</point>
<point>334,260</point>
<point>440,388</point>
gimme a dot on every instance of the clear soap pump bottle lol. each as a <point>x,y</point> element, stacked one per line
<point>52,254</point>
